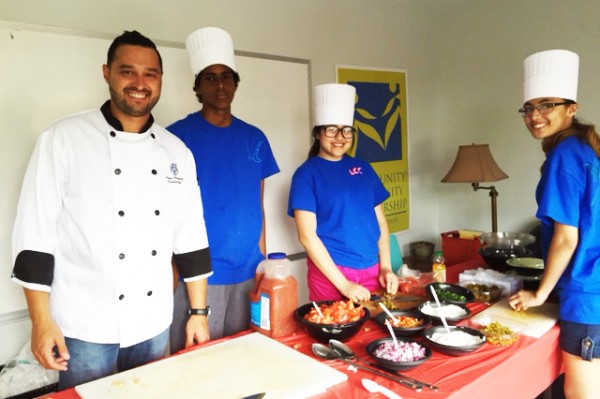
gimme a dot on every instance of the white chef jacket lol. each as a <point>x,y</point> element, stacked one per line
<point>112,208</point>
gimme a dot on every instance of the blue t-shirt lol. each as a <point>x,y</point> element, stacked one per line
<point>343,195</point>
<point>569,193</point>
<point>231,161</point>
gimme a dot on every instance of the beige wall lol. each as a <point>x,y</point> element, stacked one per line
<point>464,62</point>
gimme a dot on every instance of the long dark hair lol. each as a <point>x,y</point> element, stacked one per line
<point>316,145</point>
<point>585,131</point>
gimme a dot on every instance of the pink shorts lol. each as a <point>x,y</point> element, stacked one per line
<point>320,289</point>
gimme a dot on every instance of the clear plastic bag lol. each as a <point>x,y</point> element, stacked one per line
<point>24,373</point>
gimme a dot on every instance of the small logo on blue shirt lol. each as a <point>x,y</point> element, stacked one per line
<point>357,170</point>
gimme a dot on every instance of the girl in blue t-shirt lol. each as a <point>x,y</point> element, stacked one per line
<point>336,201</point>
<point>569,210</point>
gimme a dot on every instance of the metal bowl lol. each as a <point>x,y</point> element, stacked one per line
<point>397,366</point>
<point>454,350</point>
<point>325,332</point>
<point>506,240</point>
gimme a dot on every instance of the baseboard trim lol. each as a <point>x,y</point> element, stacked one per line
<point>13,317</point>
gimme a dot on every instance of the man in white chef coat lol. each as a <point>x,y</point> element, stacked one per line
<point>108,200</point>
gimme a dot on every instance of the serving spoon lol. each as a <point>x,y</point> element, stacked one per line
<point>346,352</point>
<point>324,352</point>
<point>387,311</point>
<point>437,300</point>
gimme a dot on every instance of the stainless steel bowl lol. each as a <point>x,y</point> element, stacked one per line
<point>502,240</point>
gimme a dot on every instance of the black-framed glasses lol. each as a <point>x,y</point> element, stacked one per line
<point>332,131</point>
<point>543,108</point>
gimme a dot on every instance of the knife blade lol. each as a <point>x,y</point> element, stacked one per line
<point>398,298</point>
<point>256,396</point>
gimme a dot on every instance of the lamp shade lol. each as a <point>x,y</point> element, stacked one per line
<point>474,164</point>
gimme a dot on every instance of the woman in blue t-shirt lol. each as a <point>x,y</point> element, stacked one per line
<point>568,197</point>
<point>336,201</point>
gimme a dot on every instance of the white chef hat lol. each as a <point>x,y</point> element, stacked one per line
<point>209,46</point>
<point>334,104</point>
<point>551,73</point>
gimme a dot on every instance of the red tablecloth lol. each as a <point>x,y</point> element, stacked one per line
<point>520,371</point>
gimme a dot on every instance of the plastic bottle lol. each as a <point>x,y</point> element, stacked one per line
<point>439,267</point>
<point>274,297</point>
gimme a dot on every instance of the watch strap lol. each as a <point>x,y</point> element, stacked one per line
<point>200,312</point>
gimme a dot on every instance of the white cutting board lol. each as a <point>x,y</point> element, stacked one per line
<point>533,322</point>
<point>232,369</point>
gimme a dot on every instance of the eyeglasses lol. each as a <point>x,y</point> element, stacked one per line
<point>332,131</point>
<point>543,108</point>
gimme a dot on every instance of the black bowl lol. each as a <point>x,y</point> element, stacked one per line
<point>396,366</point>
<point>404,331</point>
<point>449,292</point>
<point>436,320</point>
<point>325,332</point>
<point>496,258</point>
<point>454,350</point>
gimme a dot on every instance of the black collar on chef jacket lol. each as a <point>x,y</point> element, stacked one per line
<point>114,122</point>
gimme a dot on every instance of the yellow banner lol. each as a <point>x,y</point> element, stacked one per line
<point>380,120</point>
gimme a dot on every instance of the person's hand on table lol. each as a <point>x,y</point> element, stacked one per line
<point>523,300</point>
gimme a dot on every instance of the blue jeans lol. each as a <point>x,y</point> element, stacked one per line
<point>90,361</point>
<point>580,339</point>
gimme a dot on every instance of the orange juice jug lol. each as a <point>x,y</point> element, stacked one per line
<point>274,297</point>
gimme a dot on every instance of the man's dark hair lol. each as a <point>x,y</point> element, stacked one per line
<point>133,38</point>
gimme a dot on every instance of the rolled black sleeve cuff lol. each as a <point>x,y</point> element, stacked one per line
<point>192,264</point>
<point>34,267</point>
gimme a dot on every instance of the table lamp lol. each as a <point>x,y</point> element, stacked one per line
<point>475,164</point>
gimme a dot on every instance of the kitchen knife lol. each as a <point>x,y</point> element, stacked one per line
<point>256,396</point>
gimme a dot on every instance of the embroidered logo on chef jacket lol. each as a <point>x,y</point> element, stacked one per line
<point>174,172</point>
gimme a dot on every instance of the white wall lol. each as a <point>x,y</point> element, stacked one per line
<point>464,62</point>
<point>481,89</point>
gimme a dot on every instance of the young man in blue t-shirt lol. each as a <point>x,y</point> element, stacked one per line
<point>232,159</point>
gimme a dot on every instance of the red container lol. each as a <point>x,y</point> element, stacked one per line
<point>458,250</point>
